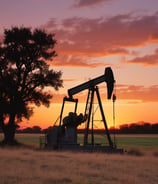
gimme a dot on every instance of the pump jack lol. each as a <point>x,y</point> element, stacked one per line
<point>92,90</point>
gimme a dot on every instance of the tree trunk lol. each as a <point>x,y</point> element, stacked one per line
<point>9,131</point>
<point>9,135</point>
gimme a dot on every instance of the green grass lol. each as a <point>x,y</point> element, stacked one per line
<point>29,139</point>
<point>137,141</point>
<point>122,141</point>
<point>32,139</point>
<point>128,141</point>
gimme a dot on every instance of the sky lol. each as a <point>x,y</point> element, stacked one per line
<point>92,35</point>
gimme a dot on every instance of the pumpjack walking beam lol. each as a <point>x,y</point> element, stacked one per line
<point>107,77</point>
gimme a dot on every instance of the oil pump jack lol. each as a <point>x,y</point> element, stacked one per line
<point>65,135</point>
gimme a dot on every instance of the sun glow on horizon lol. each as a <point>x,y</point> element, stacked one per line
<point>125,113</point>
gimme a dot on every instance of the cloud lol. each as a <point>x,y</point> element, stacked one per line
<point>75,61</point>
<point>69,80</point>
<point>51,23</point>
<point>98,36</point>
<point>102,37</point>
<point>87,3</point>
<point>1,38</point>
<point>133,92</point>
<point>147,60</point>
<point>117,51</point>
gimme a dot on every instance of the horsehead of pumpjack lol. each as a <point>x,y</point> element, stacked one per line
<point>107,77</point>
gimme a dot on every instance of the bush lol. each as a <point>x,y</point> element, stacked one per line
<point>135,152</point>
<point>155,154</point>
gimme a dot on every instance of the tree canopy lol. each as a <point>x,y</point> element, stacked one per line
<point>24,74</point>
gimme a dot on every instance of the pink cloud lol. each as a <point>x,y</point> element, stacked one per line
<point>51,23</point>
<point>133,92</point>
<point>1,38</point>
<point>87,3</point>
<point>75,61</point>
<point>69,80</point>
<point>136,94</point>
<point>103,37</point>
<point>147,60</point>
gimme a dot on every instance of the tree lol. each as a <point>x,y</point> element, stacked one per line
<point>24,76</point>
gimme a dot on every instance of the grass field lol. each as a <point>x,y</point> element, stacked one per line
<point>35,166</point>
<point>142,141</point>
<point>128,141</point>
<point>25,166</point>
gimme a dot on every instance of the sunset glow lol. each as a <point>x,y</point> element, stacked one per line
<point>93,35</point>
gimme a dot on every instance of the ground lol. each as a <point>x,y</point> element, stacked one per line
<point>28,164</point>
<point>21,165</point>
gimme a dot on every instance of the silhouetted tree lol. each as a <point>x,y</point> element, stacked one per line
<point>24,74</point>
<point>155,128</point>
<point>36,129</point>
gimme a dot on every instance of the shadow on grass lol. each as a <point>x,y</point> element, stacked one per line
<point>155,154</point>
<point>16,145</point>
<point>135,152</point>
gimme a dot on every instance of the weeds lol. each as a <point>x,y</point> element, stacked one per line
<point>135,152</point>
<point>155,153</point>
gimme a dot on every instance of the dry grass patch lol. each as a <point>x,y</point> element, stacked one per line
<point>155,153</point>
<point>46,167</point>
<point>135,152</point>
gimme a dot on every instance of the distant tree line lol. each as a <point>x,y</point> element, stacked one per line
<point>145,128</point>
<point>134,128</point>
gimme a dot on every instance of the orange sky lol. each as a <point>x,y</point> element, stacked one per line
<point>92,35</point>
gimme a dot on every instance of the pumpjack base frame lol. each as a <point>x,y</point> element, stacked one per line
<point>86,148</point>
